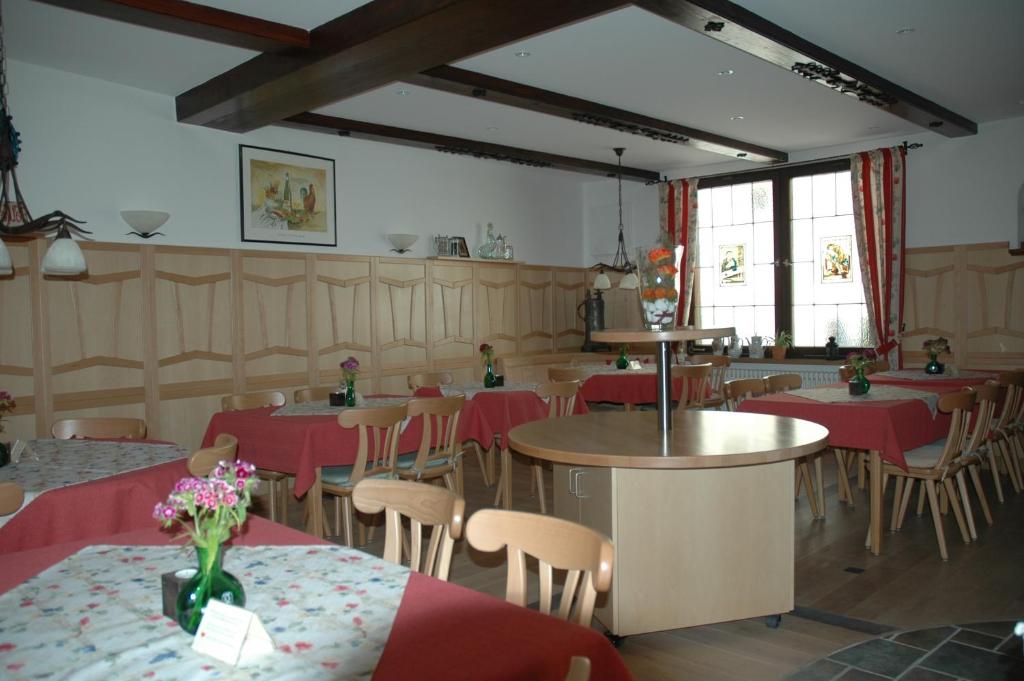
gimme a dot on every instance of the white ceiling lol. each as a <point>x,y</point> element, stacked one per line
<point>966,55</point>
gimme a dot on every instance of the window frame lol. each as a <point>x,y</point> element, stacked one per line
<point>781,218</point>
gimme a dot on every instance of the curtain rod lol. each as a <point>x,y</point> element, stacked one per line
<point>796,164</point>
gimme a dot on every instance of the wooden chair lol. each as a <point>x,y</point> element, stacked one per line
<point>562,374</point>
<point>277,482</point>
<point>780,383</point>
<point>1006,435</point>
<point>441,509</point>
<point>439,454</point>
<point>112,427</point>
<point>931,465</point>
<point>202,461</point>
<point>740,389</point>
<point>375,458</point>
<point>777,383</point>
<point>971,458</point>
<point>561,397</point>
<point>719,365</point>
<point>695,378</point>
<point>559,544</point>
<point>12,496</point>
<point>579,669</point>
<point>433,380</point>
<point>320,393</point>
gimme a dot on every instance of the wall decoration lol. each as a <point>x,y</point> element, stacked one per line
<point>462,246</point>
<point>732,267</point>
<point>836,254</point>
<point>287,198</point>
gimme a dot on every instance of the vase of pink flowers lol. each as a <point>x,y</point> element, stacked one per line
<point>349,372</point>
<point>935,347</point>
<point>217,506</point>
<point>860,361</point>
<point>7,404</point>
<point>487,359</point>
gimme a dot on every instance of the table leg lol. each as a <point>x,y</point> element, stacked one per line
<point>876,501</point>
<point>506,475</point>
<point>315,508</point>
<point>664,388</point>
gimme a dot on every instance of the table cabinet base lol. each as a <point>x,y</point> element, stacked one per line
<point>692,547</point>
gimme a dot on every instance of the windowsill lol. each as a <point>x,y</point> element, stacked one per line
<point>789,360</point>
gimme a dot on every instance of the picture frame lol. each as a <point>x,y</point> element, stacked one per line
<point>732,270</point>
<point>286,198</point>
<point>836,259</point>
<point>463,246</point>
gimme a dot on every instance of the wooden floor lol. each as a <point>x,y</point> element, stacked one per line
<point>909,586</point>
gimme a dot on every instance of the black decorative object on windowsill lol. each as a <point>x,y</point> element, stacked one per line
<point>831,348</point>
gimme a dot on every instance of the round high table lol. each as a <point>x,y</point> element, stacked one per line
<point>663,339</point>
<point>701,516</point>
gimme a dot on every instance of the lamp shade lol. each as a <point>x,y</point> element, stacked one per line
<point>145,221</point>
<point>6,266</point>
<point>64,258</point>
<point>602,282</point>
<point>630,282</point>
<point>400,243</point>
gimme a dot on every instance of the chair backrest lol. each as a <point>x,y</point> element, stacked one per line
<point>561,374</point>
<point>12,496</point>
<point>202,461</point>
<point>959,405</point>
<point>440,428</point>
<point>780,383</point>
<point>846,372</point>
<point>66,429</point>
<point>695,378</point>
<point>719,365</point>
<point>378,439</point>
<point>433,380</point>
<point>315,394</point>
<point>557,544</point>
<point>1013,405</point>
<point>988,398</point>
<point>435,507</point>
<point>579,669</point>
<point>561,397</point>
<point>737,390</point>
<point>267,398</point>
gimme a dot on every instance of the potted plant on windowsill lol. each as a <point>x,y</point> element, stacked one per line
<point>782,342</point>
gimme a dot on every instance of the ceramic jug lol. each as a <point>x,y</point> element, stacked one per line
<point>735,346</point>
<point>757,347</point>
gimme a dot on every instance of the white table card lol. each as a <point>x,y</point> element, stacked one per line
<point>231,634</point>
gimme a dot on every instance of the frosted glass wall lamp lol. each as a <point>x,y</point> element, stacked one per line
<point>402,243</point>
<point>145,222</point>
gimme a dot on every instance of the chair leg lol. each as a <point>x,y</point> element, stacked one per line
<point>538,477</point>
<point>812,497</point>
<point>862,471</point>
<point>994,467</point>
<point>957,512</point>
<point>819,476</point>
<point>920,500</point>
<point>283,508</point>
<point>338,529</point>
<point>346,509</point>
<point>908,492</point>
<point>982,499</point>
<point>1011,468</point>
<point>840,469</point>
<point>897,504</point>
<point>483,467</point>
<point>961,483</point>
<point>933,501</point>
<point>273,496</point>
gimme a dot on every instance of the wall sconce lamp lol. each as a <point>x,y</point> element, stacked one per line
<point>144,223</point>
<point>402,243</point>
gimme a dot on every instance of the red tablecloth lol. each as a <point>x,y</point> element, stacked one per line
<point>888,426</point>
<point>939,384</point>
<point>626,388</point>
<point>91,509</point>
<point>503,410</point>
<point>441,631</point>
<point>298,445</point>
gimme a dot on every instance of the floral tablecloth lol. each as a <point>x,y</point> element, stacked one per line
<point>471,391</point>
<point>98,615</point>
<point>324,407</point>
<point>877,393</point>
<point>920,375</point>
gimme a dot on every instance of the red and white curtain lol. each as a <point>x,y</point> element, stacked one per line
<point>678,207</point>
<point>879,212</point>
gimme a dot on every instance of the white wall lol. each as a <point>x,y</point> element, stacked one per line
<point>960,190</point>
<point>93,148</point>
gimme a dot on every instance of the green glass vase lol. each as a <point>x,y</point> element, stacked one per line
<point>859,384</point>
<point>622,362</point>
<point>489,380</point>
<point>211,581</point>
<point>350,392</point>
<point>934,366</point>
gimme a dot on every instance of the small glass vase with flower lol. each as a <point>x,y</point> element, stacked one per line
<point>860,361</point>
<point>7,404</point>
<point>935,347</point>
<point>217,505</point>
<point>349,372</point>
<point>659,285</point>
<point>487,359</point>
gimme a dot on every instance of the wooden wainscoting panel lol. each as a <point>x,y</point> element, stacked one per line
<point>136,410</point>
<point>184,420</point>
<point>96,339</point>
<point>536,325</point>
<point>16,341</point>
<point>274,310</point>
<point>193,315</point>
<point>621,306</point>
<point>496,307</point>
<point>401,300</point>
<point>932,303</point>
<point>342,307</point>
<point>569,291</point>
<point>994,297</point>
<point>450,301</point>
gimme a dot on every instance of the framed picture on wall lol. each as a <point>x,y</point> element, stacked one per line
<point>287,198</point>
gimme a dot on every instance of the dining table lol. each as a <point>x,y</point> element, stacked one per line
<point>896,415</point>
<point>300,439</point>
<point>94,606</point>
<point>81,488</point>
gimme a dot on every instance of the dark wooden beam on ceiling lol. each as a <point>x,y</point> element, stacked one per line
<point>373,45</point>
<point>731,24</point>
<point>464,147</point>
<point>196,21</point>
<point>481,86</point>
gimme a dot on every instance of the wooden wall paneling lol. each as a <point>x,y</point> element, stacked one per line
<point>17,363</point>
<point>43,378</point>
<point>497,308</point>
<point>994,302</point>
<point>150,355</point>
<point>184,420</point>
<point>274,318</point>
<point>401,333</point>
<point>343,310</point>
<point>95,335</point>
<point>928,309</point>
<point>621,306</point>
<point>312,356</point>
<point>451,304</point>
<point>237,323</point>
<point>569,290</point>
<point>536,325</point>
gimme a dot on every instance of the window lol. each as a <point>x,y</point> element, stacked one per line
<point>777,250</point>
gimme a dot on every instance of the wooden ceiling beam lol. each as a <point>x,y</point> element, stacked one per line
<point>460,146</point>
<point>195,21</point>
<point>733,25</point>
<point>376,44</point>
<point>481,86</point>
